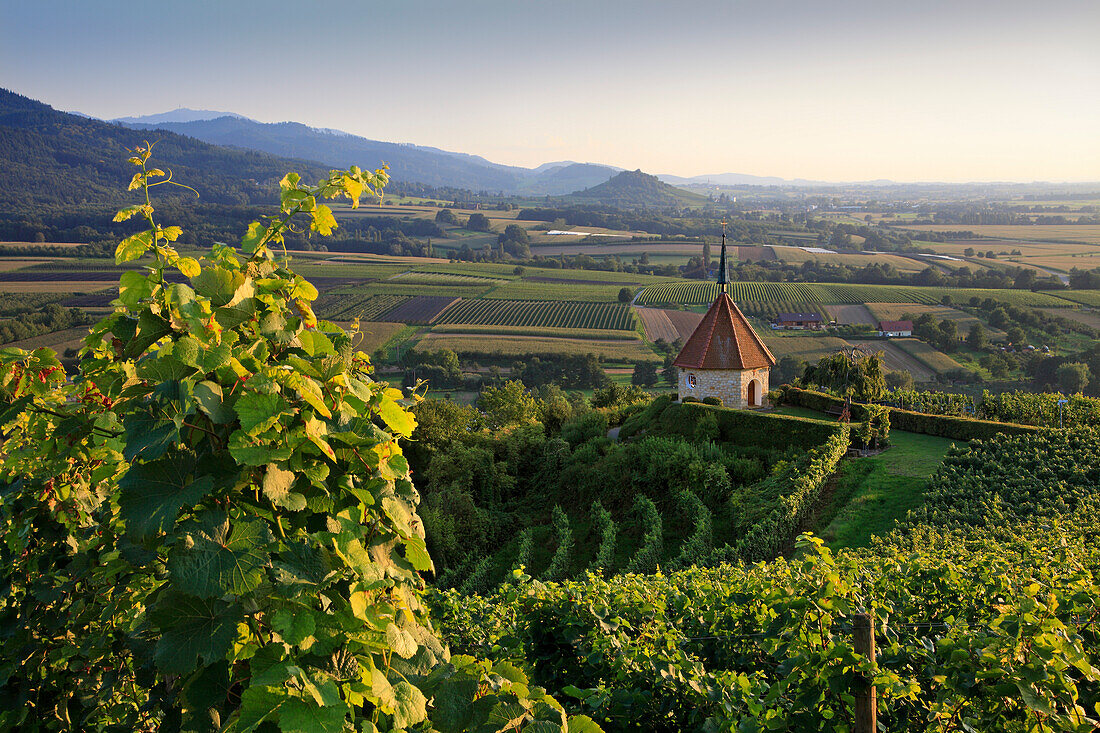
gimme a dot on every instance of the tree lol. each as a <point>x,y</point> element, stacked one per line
<point>977,339</point>
<point>860,377</point>
<point>645,374</point>
<point>478,222</point>
<point>446,216</point>
<point>515,233</point>
<point>626,295</point>
<point>1073,377</point>
<point>899,379</point>
<point>1016,336</point>
<point>507,404</point>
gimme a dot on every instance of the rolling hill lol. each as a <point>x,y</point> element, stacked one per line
<point>635,188</point>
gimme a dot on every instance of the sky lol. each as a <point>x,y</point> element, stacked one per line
<point>962,90</point>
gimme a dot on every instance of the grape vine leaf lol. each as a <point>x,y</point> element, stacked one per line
<point>326,715</point>
<point>411,707</point>
<point>223,557</point>
<point>152,494</point>
<point>194,629</point>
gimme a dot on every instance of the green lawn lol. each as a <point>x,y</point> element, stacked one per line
<point>871,493</point>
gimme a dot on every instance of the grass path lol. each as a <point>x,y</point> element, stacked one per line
<point>871,493</point>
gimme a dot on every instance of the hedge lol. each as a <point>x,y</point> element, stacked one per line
<point>953,427</point>
<point>744,427</point>
<point>803,481</point>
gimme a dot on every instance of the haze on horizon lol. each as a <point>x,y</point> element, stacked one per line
<point>971,90</point>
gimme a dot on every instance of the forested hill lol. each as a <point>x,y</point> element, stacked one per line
<point>634,188</point>
<point>60,172</point>
<point>408,163</point>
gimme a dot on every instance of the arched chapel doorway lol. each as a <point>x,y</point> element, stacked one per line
<point>754,393</point>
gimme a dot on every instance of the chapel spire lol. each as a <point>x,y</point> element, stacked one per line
<point>723,269</point>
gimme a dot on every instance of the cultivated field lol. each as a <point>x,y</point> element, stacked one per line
<point>806,348</point>
<point>852,315</point>
<point>557,314</point>
<point>515,346</point>
<point>657,324</point>
<point>1087,233</point>
<point>421,309</point>
<point>1090,318</point>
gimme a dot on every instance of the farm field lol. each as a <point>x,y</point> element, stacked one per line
<point>372,334</point>
<point>516,346</point>
<point>657,324</point>
<point>897,358</point>
<point>797,255</point>
<point>1089,234</point>
<point>684,321</point>
<point>1088,317</point>
<point>420,309</point>
<point>559,314</point>
<point>852,315</point>
<point>599,334</point>
<point>367,308</point>
<point>925,354</point>
<point>806,348</point>
<point>526,290</point>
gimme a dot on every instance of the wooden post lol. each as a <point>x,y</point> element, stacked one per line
<point>866,703</point>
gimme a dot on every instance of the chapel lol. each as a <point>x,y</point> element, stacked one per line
<point>724,357</point>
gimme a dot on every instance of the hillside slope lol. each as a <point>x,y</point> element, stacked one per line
<point>634,188</point>
<point>52,158</point>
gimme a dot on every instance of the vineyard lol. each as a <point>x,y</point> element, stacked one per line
<point>439,278</point>
<point>570,291</point>
<point>991,626</point>
<point>558,314</point>
<point>367,308</point>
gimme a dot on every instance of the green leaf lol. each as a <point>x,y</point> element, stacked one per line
<point>133,287</point>
<point>253,236</point>
<point>452,703</point>
<point>294,626</point>
<point>583,724</point>
<point>327,715</point>
<point>411,707</point>
<point>401,641</point>
<point>133,247</point>
<point>259,411</point>
<point>398,419</point>
<point>208,396</point>
<point>417,553</point>
<point>316,343</point>
<point>193,630</point>
<point>152,494</point>
<point>218,284</point>
<point>148,436</point>
<point>253,452</point>
<point>224,557</point>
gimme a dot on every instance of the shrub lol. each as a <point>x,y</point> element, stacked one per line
<point>559,563</point>
<point>699,543</point>
<point>603,526</point>
<point>648,555</point>
<point>716,401</point>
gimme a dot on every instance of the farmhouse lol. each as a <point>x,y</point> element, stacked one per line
<point>895,328</point>
<point>724,357</point>
<point>798,320</point>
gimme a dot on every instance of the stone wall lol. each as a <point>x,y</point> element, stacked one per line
<point>729,385</point>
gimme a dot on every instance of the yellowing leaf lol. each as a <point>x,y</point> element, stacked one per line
<point>133,247</point>
<point>323,220</point>
<point>354,189</point>
<point>130,211</point>
<point>136,181</point>
<point>189,266</point>
<point>171,233</point>
<point>398,419</point>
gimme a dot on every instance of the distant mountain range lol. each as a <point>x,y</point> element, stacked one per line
<point>409,163</point>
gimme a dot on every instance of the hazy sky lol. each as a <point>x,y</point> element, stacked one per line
<point>839,90</point>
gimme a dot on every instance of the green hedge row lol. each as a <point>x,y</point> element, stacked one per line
<point>953,427</point>
<point>744,427</point>
<point>802,481</point>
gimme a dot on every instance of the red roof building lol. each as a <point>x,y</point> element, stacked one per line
<point>895,328</point>
<point>725,358</point>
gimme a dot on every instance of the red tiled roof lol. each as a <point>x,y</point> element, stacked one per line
<point>895,325</point>
<point>724,340</point>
